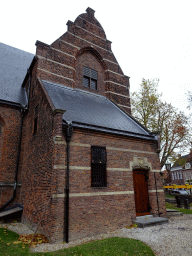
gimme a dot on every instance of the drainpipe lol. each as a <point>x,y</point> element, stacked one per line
<point>29,87</point>
<point>17,164</point>
<point>156,193</point>
<point>68,131</point>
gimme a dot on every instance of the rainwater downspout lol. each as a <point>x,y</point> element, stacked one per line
<point>157,135</point>
<point>29,87</point>
<point>68,131</point>
<point>156,193</point>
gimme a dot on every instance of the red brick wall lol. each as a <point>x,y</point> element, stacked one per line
<point>10,119</point>
<point>37,159</point>
<point>91,214</point>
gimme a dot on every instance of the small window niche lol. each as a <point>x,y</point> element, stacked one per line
<point>36,119</point>
<point>1,126</point>
<point>89,78</point>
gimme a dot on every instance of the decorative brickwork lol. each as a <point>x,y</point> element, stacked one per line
<point>84,43</point>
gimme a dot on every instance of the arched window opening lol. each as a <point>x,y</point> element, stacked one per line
<point>90,71</point>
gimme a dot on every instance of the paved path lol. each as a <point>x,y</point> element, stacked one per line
<point>171,239</point>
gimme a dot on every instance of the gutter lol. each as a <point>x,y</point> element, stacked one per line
<point>29,73</point>
<point>68,131</point>
<point>115,131</point>
<point>9,103</point>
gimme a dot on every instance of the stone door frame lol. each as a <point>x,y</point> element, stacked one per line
<point>142,164</point>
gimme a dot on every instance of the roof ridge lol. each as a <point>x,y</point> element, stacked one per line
<point>58,85</point>
<point>86,92</point>
<point>75,89</point>
<point>6,45</point>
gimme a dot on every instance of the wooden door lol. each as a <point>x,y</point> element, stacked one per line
<point>141,192</point>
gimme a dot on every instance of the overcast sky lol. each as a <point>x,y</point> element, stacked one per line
<point>150,38</point>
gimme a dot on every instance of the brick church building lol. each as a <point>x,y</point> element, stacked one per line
<point>70,152</point>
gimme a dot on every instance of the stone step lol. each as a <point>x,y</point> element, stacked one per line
<point>170,214</point>
<point>11,214</point>
<point>11,211</point>
<point>170,200</point>
<point>144,217</point>
<point>145,221</point>
<point>173,212</point>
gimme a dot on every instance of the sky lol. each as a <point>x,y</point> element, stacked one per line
<point>150,39</point>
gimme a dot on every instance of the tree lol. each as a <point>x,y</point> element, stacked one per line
<point>189,95</point>
<point>145,103</point>
<point>156,115</point>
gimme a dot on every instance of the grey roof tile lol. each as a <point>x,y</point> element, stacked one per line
<point>13,68</point>
<point>90,110</point>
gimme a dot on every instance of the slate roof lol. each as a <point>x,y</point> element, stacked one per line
<point>13,68</point>
<point>89,110</point>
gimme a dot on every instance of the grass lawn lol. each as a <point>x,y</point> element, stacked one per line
<point>184,211</point>
<point>112,246</point>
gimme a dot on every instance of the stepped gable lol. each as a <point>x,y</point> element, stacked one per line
<point>86,28</point>
<point>88,22</point>
<point>84,44</point>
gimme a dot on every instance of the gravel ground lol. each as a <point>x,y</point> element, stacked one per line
<point>173,238</point>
